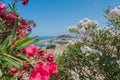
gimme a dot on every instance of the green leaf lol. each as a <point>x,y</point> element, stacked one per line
<point>26,42</point>
<point>11,6</point>
<point>10,39</point>
<point>13,62</point>
<point>19,42</point>
<point>106,11</point>
<point>14,78</point>
<point>5,44</point>
<point>14,29</point>
<point>22,39</point>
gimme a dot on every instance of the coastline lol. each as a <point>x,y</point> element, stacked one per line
<point>60,43</point>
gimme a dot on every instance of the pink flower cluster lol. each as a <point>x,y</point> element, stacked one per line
<point>2,7</point>
<point>30,50</point>
<point>46,58</point>
<point>43,71</point>
<point>9,16</point>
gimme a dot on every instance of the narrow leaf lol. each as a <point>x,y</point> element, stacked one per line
<point>28,42</point>
<point>5,44</point>
<point>14,29</point>
<point>25,42</point>
<point>13,62</point>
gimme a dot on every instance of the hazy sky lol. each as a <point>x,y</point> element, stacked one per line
<point>54,16</point>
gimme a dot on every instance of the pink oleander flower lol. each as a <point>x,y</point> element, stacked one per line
<point>30,50</point>
<point>2,7</point>
<point>25,66</point>
<point>23,22</point>
<point>50,57</point>
<point>20,28</point>
<point>29,29</point>
<point>34,24</point>
<point>3,15</point>
<point>21,35</point>
<point>12,15</point>
<point>53,68</point>
<point>25,2</point>
<point>42,53</point>
<point>41,72</point>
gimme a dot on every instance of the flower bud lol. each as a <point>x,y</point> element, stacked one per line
<point>13,70</point>
<point>25,2</point>
<point>25,66</point>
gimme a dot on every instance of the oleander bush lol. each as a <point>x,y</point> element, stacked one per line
<point>95,54</point>
<point>20,59</point>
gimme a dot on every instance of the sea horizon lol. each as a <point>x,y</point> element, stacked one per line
<point>46,37</point>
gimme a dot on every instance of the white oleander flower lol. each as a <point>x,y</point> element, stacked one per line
<point>73,29</point>
<point>82,30</point>
<point>117,9</point>
<point>80,23</point>
<point>100,53</point>
<point>94,22</point>
<point>87,54</point>
<point>74,75</point>
<point>86,20</point>
<point>118,61</point>
<point>86,49</point>
<point>79,40</point>
<point>114,13</point>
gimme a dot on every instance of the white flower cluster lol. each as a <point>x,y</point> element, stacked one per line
<point>82,25</point>
<point>87,23</point>
<point>114,13</point>
<point>86,49</point>
<point>74,75</point>
<point>73,29</point>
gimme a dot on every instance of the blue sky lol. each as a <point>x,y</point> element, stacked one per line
<point>54,16</point>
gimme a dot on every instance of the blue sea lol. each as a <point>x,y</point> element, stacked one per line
<point>46,37</point>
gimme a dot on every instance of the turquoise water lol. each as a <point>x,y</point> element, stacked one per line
<point>44,38</point>
<point>45,44</point>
